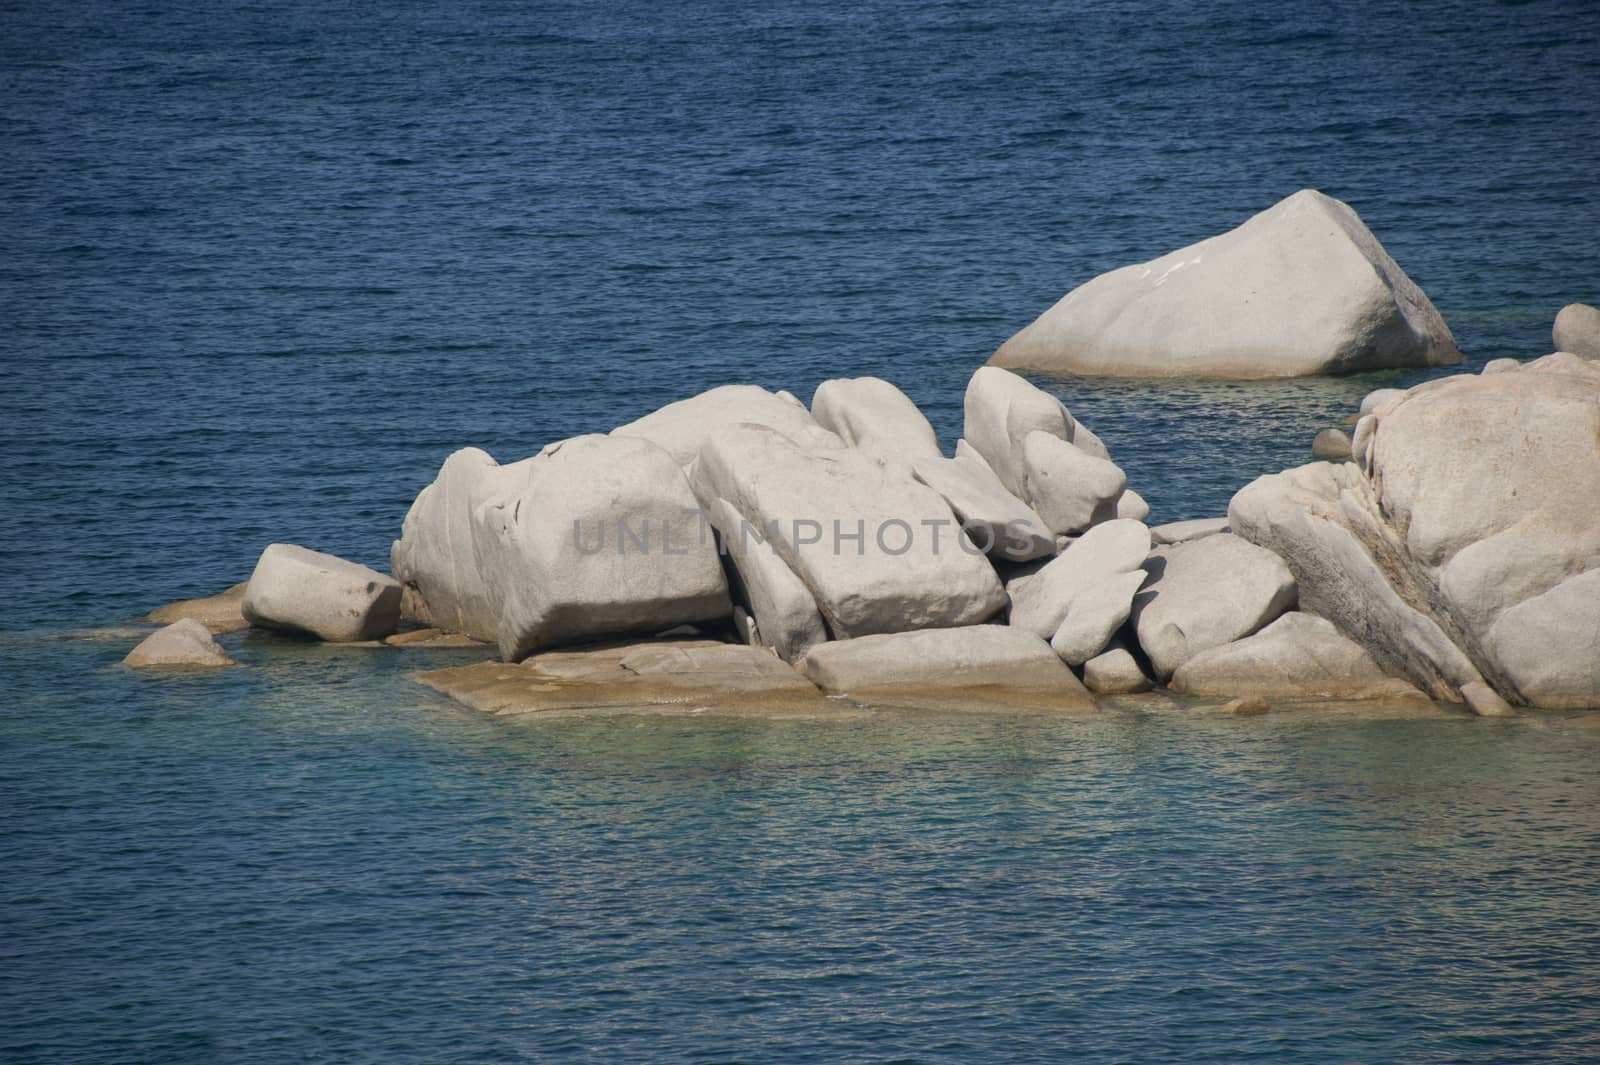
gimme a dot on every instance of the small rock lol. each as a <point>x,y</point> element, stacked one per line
<point>1577,329</point>
<point>1485,702</point>
<point>1069,488</point>
<point>186,642</point>
<point>1247,706</point>
<point>1331,445</point>
<point>1115,672</point>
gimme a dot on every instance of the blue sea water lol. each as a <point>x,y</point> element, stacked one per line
<point>263,266</point>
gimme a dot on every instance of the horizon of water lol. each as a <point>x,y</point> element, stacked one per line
<point>262,267</point>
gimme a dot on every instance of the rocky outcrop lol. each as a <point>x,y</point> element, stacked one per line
<point>1301,288</point>
<point>1577,329</point>
<point>1462,551</point>
<point>320,595</point>
<point>993,656</point>
<point>186,643</point>
<point>597,535</point>
<point>1206,593</point>
<point>879,552</point>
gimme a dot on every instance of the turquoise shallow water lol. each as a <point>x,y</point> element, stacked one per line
<point>263,267</point>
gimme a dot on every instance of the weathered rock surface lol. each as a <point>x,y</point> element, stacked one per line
<point>1466,552</point>
<point>1001,409</point>
<point>1297,656</point>
<point>1070,489</point>
<point>1178,532</point>
<point>680,675</point>
<point>997,521</point>
<point>1378,397</point>
<point>785,614</point>
<point>681,428</point>
<point>1331,445</point>
<point>879,552</point>
<point>1042,601</point>
<point>1115,672</point>
<point>220,613</point>
<point>1577,329</point>
<point>597,535</point>
<point>873,415</point>
<point>1301,288</point>
<point>995,656</point>
<point>1206,593</point>
<point>1094,615</point>
<point>186,643</point>
<point>322,595</point>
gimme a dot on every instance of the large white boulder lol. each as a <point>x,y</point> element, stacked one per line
<point>186,642</point>
<point>1206,593</point>
<point>873,415</point>
<point>597,535</point>
<point>990,656</point>
<point>786,615</point>
<point>1301,288</point>
<point>1297,656</point>
<point>322,595</point>
<point>1577,329</point>
<point>879,552</point>
<point>682,427</point>
<point>1094,616</point>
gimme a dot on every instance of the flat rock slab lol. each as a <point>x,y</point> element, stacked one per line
<point>656,674</point>
<point>1003,661</point>
<point>1181,532</point>
<point>431,639</point>
<point>221,613</point>
<point>1297,656</point>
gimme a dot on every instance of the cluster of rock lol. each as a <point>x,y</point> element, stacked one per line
<point>1456,557</point>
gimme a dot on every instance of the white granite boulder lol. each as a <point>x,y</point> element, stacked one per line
<point>1115,672</point>
<point>1084,595</point>
<point>186,643</point>
<point>1001,409</point>
<point>879,552</point>
<point>1301,288</point>
<point>785,614</point>
<point>321,595</point>
<point>597,535</point>
<point>682,427</point>
<point>1577,329</point>
<point>1297,656</point>
<point>1070,489</point>
<point>994,656</point>
<point>1331,445</point>
<point>1206,593</point>
<point>873,415</point>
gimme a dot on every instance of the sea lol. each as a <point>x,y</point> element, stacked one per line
<point>263,266</point>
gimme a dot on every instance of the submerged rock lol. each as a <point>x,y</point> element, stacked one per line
<point>1301,288</point>
<point>184,643</point>
<point>220,613</point>
<point>321,595</point>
